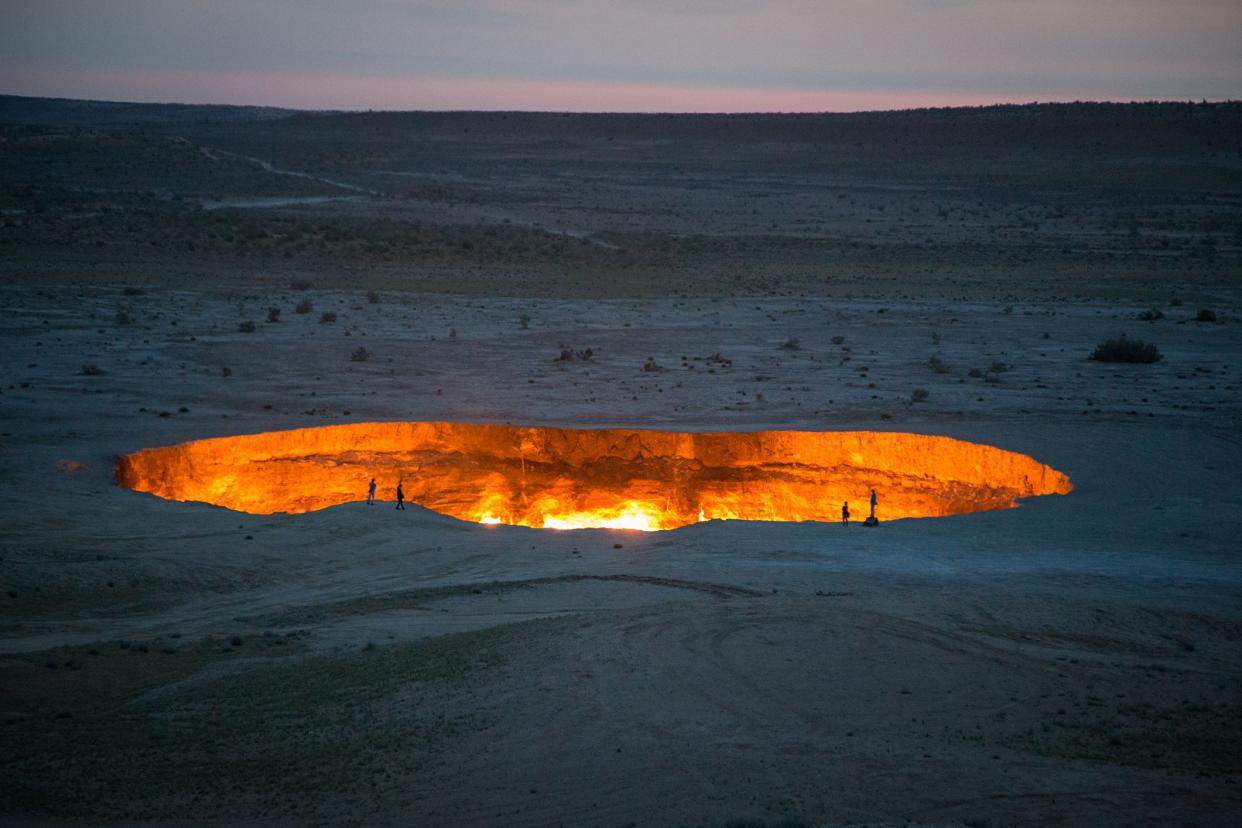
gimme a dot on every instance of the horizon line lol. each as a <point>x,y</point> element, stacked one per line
<point>327,110</point>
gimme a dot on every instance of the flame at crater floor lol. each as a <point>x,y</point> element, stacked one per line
<point>563,478</point>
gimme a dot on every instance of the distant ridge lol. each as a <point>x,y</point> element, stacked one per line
<point>19,109</point>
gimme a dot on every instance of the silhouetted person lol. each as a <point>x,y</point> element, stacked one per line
<point>873,502</point>
<point>845,513</point>
<point>400,497</point>
<point>371,493</point>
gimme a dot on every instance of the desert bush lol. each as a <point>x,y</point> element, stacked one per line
<point>92,370</point>
<point>937,364</point>
<point>974,373</point>
<point>122,316</point>
<point>651,366</point>
<point>999,368</point>
<point>360,354</point>
<point>327,317</point>
<point>273,314</point>
<point>919,395</point>
<point>1150,315</point>
<point>837,340</point>
<point>373,297</point>
<point>524,320</point>
<point>569,354</point>
<point>717,359</point>
<point>305,306</point>
<point>1205,315</point>
<point>791,344</point>
<point>246,327</point>
<point>1125,350</point>
<point>226,372</point>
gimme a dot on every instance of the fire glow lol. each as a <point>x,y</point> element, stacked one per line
<point>565,478</point>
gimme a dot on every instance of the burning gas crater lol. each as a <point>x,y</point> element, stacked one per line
<point>565,478</point>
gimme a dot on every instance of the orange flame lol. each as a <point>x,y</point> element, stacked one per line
<point>559,478</point>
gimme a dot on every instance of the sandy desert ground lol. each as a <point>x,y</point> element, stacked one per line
<point>1073,661</point>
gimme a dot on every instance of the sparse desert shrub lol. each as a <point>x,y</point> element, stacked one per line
<point>360,354</point>
<point>305,306</point>
<point>122,316</point>
<point>1125,350</point>
<point>327,317</point>
<point>998,368</point>
<point>373,297</point>
<point>838,340</point>
<point>651,366</point>
<point>569,354</point>
<point>918,395</point>
<point>92,370</point>
<point>1150,315</point>
<point>937,364</point>
<point>1205,315</point>
<point>524,321</point>
<point>226,372</point>
<point>273,314</point>
<point>974,373</point>
<point>791,344</point>
<point>246,327</point>
<point>717,359</point>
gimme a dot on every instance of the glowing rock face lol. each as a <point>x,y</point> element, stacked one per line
<point>564,478</point>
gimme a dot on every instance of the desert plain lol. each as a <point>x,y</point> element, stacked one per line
<point>173,273</point>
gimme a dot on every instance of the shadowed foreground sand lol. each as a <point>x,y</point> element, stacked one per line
<point>1070,661</point>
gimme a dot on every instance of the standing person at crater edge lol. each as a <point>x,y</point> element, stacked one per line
<point>845,513</point>
<point>873,503</point>
<point>371,493</point>
<point>400,496</point>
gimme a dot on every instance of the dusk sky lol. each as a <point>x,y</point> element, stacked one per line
<point>632,55</point>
